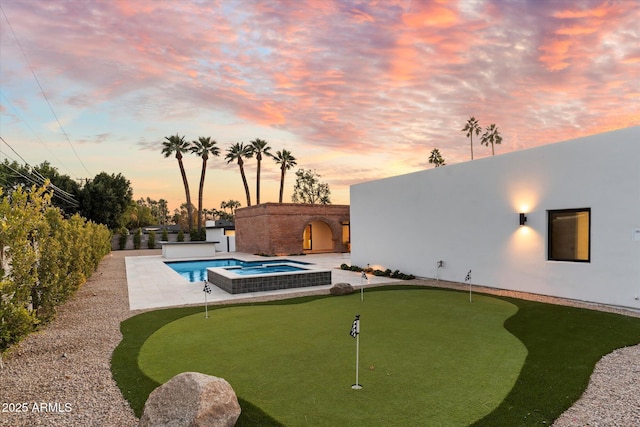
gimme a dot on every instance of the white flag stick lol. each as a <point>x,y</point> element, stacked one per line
<point>355,332</point>
<point>357,385</point>
<point>363,276</point>
<point>206,307</point>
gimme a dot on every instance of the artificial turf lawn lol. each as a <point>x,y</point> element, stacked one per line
<point>438,360</point>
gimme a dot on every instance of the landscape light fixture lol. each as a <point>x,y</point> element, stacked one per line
<point>523,218</point>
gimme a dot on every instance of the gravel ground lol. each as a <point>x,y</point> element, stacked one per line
<point>61,375</point>
<point>67,366</point>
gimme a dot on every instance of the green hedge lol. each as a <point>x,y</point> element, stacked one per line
<point>44,259</point>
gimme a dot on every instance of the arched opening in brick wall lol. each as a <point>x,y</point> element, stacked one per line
<point>317,237</point>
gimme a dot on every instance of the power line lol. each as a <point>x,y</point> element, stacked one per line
<point>55,190</point>
<point>39,178</point>
<point>43,93</point>
<point>35,171</point>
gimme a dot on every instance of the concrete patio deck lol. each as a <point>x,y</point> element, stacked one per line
<point>152,284</point>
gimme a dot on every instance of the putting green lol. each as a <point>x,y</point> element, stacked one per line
<point>427,357</point>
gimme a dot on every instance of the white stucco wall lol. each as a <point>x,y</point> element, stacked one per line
<point>467,216</point>
<point>224,243</point>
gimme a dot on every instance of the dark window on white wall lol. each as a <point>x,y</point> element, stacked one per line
<point>569,235</point>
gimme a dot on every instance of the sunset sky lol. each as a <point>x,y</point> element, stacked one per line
<point>357,90</point>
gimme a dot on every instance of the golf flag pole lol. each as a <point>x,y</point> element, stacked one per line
<point>206,290</point>
<point>355,333</point>
<point>364,277</point>
<point>468,279</point>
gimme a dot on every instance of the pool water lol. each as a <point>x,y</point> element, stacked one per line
<point>196,271</point>
<point>247,271</point>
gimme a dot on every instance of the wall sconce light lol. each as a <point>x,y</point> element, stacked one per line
<point>523,219</point>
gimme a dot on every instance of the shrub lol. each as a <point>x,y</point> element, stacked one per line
<point>165,235</point>
<point>180,237</point>
<point>47,258</point>
<point>151,243</point>
<point>197,236</point>
<point>387,273</point>
<point>122,239</point>
<point>137,239</point>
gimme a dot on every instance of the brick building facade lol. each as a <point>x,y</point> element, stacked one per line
<point>292,228</point>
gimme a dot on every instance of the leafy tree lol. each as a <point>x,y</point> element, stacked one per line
<point>105,200</point>
<point>203,147</point>
<point>491,136</point>
<point>436,158</point>
<point>238,152</point>
<point>177,145</point>
<point>138,214</point>
<point>308,188</point>
<point>286,161</point>
<point>180,217</point>
<point>64,189</point>
<point>258,148</point>
<point>471,127</point>
<point>157,210</point>
<point>162,211</point>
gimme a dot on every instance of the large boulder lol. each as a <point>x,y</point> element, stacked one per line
<point>192,399</point>
<point>341,289</point>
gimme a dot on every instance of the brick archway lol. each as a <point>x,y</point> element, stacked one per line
<point>277,228</point>
<point>331,243</point>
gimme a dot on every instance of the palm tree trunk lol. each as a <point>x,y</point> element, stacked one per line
<point>281,182</point>
<point>492,152</point>
<point>200,193</point>
<point>187,193</point>
<point>258,158</point>
<point>471,145</point>
<point>246,186</point>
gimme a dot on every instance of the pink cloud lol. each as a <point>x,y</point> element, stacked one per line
<point>386,78</point>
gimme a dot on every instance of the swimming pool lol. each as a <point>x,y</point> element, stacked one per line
<point>196,271</point>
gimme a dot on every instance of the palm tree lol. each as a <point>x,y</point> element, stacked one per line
<point>176,144</point>
<point>232,205</point>
<point>436,158</point>
<point>258,148</point>
<point>491,135</point>
<point>239,152</point>
<point>286,161</point>
<point>471,126</point>
<point>203,147</point>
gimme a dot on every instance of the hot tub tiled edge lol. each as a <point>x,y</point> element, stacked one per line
<point>236,284</point>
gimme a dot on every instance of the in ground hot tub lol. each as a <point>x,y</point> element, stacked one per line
<point>267,277</point>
